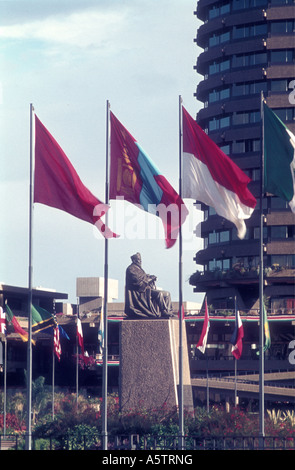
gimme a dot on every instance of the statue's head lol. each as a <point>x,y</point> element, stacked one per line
<point>136,259</point>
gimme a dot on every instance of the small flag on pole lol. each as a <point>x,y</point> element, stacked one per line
<point>211,177</point>
<point>2,321</point>
<point>80,335</point>
<point>17,328</point>
<point>279,158</point>
<point>101,333</point>
<point>41,319</point>
<point>205,330</point>
<point>56,342</point>
<point>267,340</point>
<point>237,337</point>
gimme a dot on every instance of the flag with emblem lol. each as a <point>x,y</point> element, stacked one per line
<point>134,177</point>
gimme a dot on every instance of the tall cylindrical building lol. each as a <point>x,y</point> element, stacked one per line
<point>248,48</point>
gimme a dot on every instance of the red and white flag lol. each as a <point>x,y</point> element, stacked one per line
<point>205,330</point>
<point>2,321</point>
<point>56,343</point>
<point>237,337</point>
<point>211,177</point>
<point>80,335</point>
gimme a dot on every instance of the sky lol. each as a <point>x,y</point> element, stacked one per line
<point>68,58</point>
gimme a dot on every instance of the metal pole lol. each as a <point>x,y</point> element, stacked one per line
<point>105,300</point>
<point>53,374</point>
<point>207,383</point>
<point>261,317</point>
<point>181,420</point>
<point>77,358</point>
<point>236,363</point>
<point>30,295</point>
<point>5,386</point>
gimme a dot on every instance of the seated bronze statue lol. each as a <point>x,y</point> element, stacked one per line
<point>142,299</point>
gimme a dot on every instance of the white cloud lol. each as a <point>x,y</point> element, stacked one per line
<point>83,30</point>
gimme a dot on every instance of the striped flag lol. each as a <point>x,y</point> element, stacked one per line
<point>80,335</point>
<point>237,337</point>
<point>17,328</point>
<point>211,177</point>
<point>56,343</point>
<point>2,321</point>
<point>205,330</point>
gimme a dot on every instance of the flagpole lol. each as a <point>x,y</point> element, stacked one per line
<point>261,318</point>
<point>105,300</point>
<point>180,394</point>
<point>77,354</point>
<point>236,362</point>
<point>53,377</point>
<point>30,295</point>
<point>5,386</point>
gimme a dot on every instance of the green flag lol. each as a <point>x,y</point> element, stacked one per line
<point>267,340</point>
<point>279,158</point>
<point>41,319</point>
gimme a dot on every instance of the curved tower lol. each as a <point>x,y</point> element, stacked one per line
<point>248,48</point>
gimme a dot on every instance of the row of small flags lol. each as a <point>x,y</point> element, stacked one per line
<point>46,322</point>
<point>237,336</point>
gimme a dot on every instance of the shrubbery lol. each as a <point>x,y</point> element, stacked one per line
<point>78,424</point>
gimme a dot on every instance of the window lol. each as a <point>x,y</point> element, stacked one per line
<point>217,95</point>
<point>219,237</point>
<point>245,31</point>
<point>287,261</point>
<point>282,56</point>
<point>222,264</point>
<point>279,85</point>
<point>278,203</point>
<point>282,27</point>
<point>285,114</point>
<point>219,38</point>
<point>278,232</point>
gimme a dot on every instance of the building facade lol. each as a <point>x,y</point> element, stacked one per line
<point>248,48</point>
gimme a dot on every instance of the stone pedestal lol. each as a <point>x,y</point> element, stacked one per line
<point>149,365</point>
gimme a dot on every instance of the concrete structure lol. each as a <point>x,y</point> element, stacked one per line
<point>248,47</point>
<point>149,365</point>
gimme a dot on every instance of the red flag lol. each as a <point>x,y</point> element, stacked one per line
<point>56,183</point>
<point>203,338</point>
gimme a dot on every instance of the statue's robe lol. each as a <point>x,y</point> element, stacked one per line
<point>141,300</point>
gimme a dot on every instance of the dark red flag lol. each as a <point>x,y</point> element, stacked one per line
<point>57,184</point>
